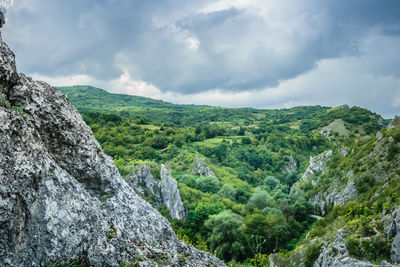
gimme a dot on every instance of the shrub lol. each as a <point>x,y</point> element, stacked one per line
<point>4,102</point>
<point>317,231</point>
<point>208,184</point>
<point>311,254</point>
<point>354,247</point>
<point>376,249</point>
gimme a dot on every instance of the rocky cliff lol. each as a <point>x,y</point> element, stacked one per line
<point>61,197</point>
<point>357,187</point>
<point>162,191</point>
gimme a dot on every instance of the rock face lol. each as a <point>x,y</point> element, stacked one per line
<point>8,72</point>
<point>62,198</point>
<point>336,254</point>
<point>141,180</point>
<point>317,165</point>
<point>163,192</point>
<point>201,167</point>
<point>170,194</point>
<point>291,166</point>
<point>394,231</point>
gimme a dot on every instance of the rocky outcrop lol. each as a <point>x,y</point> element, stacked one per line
<point>170,194</point>
<point>201,167</point>
<point>141,180</point>
<point>163,192</point>
<point>291,166</point>
<point>317,165</point>
<point>394,231</point>
<point>8,72</point>
<point>335,254</point>
<point>393,123</point>
<point>332,254</point>
<point>62,198</point>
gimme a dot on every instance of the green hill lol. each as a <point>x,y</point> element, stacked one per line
<point>271,169</point>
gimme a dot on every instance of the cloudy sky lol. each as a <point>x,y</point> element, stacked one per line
<point>236,53</point>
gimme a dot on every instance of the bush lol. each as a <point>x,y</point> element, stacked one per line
<point>376,249</point>
<point>311,254</point>
<point>364,183</point>
<point>4,102</point>
<point>317,231</point>
<point>208,184</point>
<point>354,247</point>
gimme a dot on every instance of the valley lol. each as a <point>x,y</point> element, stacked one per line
<point>253,181</point>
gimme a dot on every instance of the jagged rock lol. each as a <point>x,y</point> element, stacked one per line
<point>333,254</point>
<point>317,165</point>
<point>201,167</point>
<point>348,194</point>
<point>344,152</point>
<point>170,194</point>
<point>62,198</point>
<point>291,166</point>
<point>165,192</point>
<point>2,21</point>
<point>379,136</point>
<point>394,230</point>
<point>141,179</point>
<point>393,123</point>
<point>363,139</point>
<point>8,71</point>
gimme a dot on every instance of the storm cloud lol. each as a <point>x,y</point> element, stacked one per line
<point>229,52</point>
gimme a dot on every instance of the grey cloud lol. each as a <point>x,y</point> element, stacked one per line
<point>173,46</point>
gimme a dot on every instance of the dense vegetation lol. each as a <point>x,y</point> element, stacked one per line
<point>247,210</point>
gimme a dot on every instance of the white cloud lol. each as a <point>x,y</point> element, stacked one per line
<point>65,80</point>
<point>126,85</point>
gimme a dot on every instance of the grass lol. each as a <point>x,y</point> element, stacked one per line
<point>337,126</point>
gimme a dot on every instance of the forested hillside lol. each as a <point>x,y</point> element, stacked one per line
<point>245,175</point>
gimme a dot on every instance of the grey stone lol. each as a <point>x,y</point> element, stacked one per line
<point>393,123</point>
<point>291,166</point>
<point>8,71</point>
<point>317,164</point>
<point>165,192</point>
<point>170,194</point>
<point>201,167</point>
<point>394,230</point>
<point>141,179</point>
<point>379,136</point>
<point>2,21</point>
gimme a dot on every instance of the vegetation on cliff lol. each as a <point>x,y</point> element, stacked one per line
<point>256,202</point>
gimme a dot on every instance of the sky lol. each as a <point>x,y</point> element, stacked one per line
<point>232,53</point>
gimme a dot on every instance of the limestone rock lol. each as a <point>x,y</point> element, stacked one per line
<point>395,231</point>
<point>201,167</point>
<point>332,254</point>
<point>170,194</point>
<point>2,21</point>
<point>164,191</point>
<point>62,198</point>
<point>291,166</point>
<point>141,180</point>
<point>379,136</point>
<point>8,72</point>
<point>393,123</point>
<point>317,164</point>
